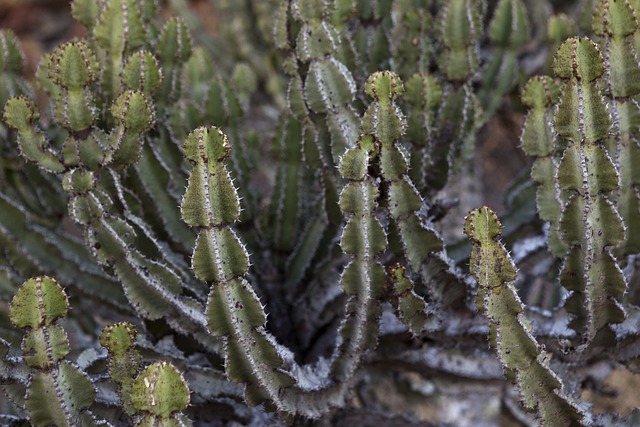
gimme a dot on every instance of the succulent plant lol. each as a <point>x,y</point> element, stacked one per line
<point>256,221</point>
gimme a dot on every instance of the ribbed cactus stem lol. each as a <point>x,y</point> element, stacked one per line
<point>119,30</point>
<point>590,223</point>
<point>327,88</point>
<point>424,95</point>
<point>459,24</point>
<point>524,360</point>
<point>363,238</point>
<point>124,360</point>
<point>219,258</point>
<point>509,32</point>
<point>58,393</point>
<point>422,245</point>
<point>540,95</point>
<point>411,38</point>
<point>616,24</point>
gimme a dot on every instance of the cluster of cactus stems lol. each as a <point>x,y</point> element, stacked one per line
<point>140,190</point>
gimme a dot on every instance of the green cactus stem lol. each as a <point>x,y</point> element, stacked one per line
<point>410,308</point>
<point>459,22</point>
<point>411,38</point>
<point>363,238</point>
<point>160,393</point>
<point>424,96</point>
<point>616,24</point>
<point>148,285</point>
<point>219,258</point>
<point>525,362</point>
<point>540,95</point>
<point>124,360</point>
<point>509,32</point>
<point>590,223</point>
<point>58,393</point>
<point>422,245</point>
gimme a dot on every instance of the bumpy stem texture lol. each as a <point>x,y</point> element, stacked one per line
<point>590,222</point>
<point>525,362</point>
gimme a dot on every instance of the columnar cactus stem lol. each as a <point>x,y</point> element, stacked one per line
<point>616,24</point>
<point>459,22</point>
<point>58,393</point>
<point>329,87</point>
<point>365,27</point>
<point>590,223</point>
<point>219,258</point>
<point>411,38</point>
<point>364,239</point>
<point>509,32</point>
<point>524,360</point>
<point>422,245</point>
<point>424,95</point>
<point>124,360</point>
<point>151,287</point>
<point>540,95</point>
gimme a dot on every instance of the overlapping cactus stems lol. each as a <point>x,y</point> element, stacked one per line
<point>443,116</point>
<point>234,311</point>
<point>524,360</point>
<point>96,164</point>
<point>589,223</point>
<point>59,393</point>
<point>321,88</point>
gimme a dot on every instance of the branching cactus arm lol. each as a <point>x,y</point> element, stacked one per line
<point>524,360</point>
<point>149,285</point>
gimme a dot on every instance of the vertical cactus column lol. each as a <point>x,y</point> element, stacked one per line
<point>58,393</point>
<point>363,238</point>
<point>540,95</point>
<point>422,245</point>
<point>124,360</point>
<point>411,37</point>
<point>615,22</point>
<point>590,223</point>
<point>151,287</point>
<point>459,22</point>
<point>524,360</point>
<point>219,258</point>
<point>509,32</point>
<point>424,95</point>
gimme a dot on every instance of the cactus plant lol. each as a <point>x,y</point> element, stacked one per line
<point>258,222</point>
